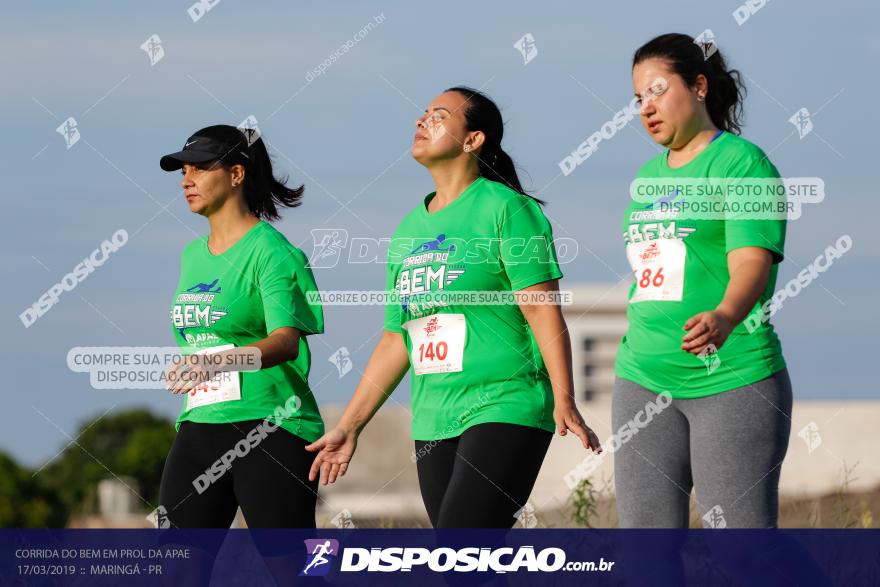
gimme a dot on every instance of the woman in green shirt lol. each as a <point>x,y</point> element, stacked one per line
<point>242,301</point>
<point>490,382</point>
<point>703,260</point>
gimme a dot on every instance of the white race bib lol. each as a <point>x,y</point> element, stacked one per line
<point>437,343</point>
<point>223,387</point>
<point>658,266</point>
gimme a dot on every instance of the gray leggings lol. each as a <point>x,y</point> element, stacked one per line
<point>728,446</point>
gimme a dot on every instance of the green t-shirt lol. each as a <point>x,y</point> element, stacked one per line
<point>238,297</point>
<point>472,360</point>
<point>680,266</point>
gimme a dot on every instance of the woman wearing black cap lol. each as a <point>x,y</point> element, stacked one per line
<point>242,296</point>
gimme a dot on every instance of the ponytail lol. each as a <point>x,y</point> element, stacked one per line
<point>498,166</point>
<point>725,102</point>
<point>262,191</point>
<point>686,58</point>
<point>493,162</point>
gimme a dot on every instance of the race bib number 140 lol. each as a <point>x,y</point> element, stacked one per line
<point>658,266</point>
<point>437,343</point>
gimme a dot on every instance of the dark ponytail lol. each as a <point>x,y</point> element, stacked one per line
<point>482,114</point>
<point>263,193</point>
<point>686,58</point>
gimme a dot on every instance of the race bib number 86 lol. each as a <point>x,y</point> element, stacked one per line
<point>658,266</point>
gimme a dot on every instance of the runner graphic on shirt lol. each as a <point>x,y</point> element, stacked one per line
<point>205,287</point>
<point>434,245</point>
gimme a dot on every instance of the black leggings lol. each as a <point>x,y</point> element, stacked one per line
<point>482,478</point>
<point>268,479</point>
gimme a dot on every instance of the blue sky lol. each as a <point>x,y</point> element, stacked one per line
<point>346,136</point>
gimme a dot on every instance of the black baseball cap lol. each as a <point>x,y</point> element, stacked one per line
<point>220,141</point>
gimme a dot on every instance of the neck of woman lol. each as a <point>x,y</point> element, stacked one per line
<point>685,152</point>
<point>229,223</point>
<point>450,180</point>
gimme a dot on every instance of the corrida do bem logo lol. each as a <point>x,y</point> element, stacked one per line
<point>195,308</point>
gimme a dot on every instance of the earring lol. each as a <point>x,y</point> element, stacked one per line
<point>466,149</point>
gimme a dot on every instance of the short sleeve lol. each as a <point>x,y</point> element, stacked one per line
<point>528,253</point>
<point>750,232</point>
<point>393,310</point>
<point>289,292</point>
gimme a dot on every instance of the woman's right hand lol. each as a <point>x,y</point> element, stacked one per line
<point>386,367</point>
<point>336,449</point>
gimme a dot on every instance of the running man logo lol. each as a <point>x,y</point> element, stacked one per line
<point>433,245</point>
<point>802,122</point>
<point>318,551</point>
<point>527,48</point>
<point>342,359</point>
<point>664,202</point>
<point>205,287</point>
<point>810,435</point>
<point>153,48</point>
<point>706,42</point>
<point>710,358</point>
<point>343,520</point>
<point>327,246</point>
<point>526,516</point>
<point>159,518</point>
<point>714,518</point>
<point>250,129</point>
<point>70,131</point>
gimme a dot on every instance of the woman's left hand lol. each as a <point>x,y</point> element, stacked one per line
<point>567,417</point>
<point>704,329</point>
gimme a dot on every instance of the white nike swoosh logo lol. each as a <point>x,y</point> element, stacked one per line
<point>189,143</point>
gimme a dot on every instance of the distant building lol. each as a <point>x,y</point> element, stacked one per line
<point>118,506</point>
<point>596,323</point>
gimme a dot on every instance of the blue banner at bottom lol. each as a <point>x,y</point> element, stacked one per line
<point>458,557</point>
